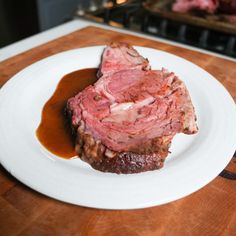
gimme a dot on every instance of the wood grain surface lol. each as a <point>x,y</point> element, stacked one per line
<point>209,211</point>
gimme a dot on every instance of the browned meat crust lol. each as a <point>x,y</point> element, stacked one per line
<point>101,158</point>
<point>128,163</point>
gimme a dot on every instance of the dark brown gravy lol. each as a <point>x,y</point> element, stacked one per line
<point>54,132</point>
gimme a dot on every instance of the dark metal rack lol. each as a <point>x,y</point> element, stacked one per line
<point>133,16</point>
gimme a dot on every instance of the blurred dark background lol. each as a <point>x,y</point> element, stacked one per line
<point>212,28</point>
<point>23,18</point>
<point>18,19</point>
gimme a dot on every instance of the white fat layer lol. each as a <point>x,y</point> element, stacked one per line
<point>127,111</point>
<point>144,102</point>
<point>100,87</point>
<point>119,107</point>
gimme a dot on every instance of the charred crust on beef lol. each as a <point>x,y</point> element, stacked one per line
<point>128,163</point>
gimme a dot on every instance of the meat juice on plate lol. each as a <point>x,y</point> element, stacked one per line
<point>54,131</point>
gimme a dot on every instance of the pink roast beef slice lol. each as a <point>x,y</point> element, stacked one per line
<point>184,6</point>
<point>130,114</point>
<point>121,56</point>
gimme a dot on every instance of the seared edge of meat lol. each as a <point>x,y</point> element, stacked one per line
<point>149,156</point>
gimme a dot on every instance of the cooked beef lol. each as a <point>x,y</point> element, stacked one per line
<point>125,122</point>
<point>228,7</point>
<point>184,6</point>
<point>229,18</point>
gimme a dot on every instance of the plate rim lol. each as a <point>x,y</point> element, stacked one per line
<point>149,204</point>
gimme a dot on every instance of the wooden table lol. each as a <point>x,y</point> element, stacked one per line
<point>209,211</point>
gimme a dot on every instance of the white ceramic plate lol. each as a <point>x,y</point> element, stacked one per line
<point>194,162</point>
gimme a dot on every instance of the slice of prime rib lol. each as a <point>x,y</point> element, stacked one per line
<point>125,122</point>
